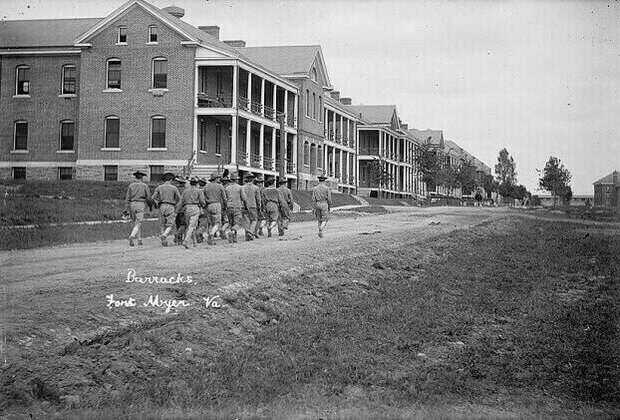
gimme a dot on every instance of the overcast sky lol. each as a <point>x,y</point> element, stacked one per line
<point>539,78</point>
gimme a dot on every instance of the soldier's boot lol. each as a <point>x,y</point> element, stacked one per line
<point>131,241</point>
<point>229,236</point>
<point>269,232</point>
<point>210,239</point>
<point>164,240</point>
<point>234,236</point>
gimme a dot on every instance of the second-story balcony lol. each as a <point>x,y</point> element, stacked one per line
<point>214,101</point>
<point>255,161</point>
<point>269,112</point>
<point>268,163</point>
<point>242,156</point>
<point>256,108</point>
<point>369,151</point>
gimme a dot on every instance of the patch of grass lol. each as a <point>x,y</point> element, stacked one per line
<point>368,209</point>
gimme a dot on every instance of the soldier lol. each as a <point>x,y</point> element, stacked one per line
<point>166,196</point>
<point>137,195</point>
<point>251,195</point>
<point>192,200</point>
<point>322,202</point>
<point>260,223</point>
<point>179,221</point>
<point>286,200</point>
<point>271,200</point>
<point>202,219</point>
<point>215,196</point>
<point>234,203</point>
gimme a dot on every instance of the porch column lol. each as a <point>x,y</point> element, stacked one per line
<point>195,138</point>
<point>250,92</point>
<point>340,164</point>
<point>341,132</point>
<point>333,161</point>
<point>235,93</point>
<point>248,142</point>
<point>262,105</point>
<point>275,102</point>
<point>294,151</point>
<point>196,68</point>
<point>273,149</point>
<point>334,125</point>
<point>285,106</point>
<point>233,138</point>
<point>261,149</point>
<point>296,110</point>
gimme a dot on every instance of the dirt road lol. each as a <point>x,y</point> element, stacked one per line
<point>58,300</point>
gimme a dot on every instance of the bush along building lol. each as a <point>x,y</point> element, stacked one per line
<point>140,89</point>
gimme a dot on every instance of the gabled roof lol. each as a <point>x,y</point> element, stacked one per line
<point>291,60</point>
<point>609,179</point>
<point>376,114</point>
<point>43,32</point>
<point>190,32</point>
<point>433,137</point>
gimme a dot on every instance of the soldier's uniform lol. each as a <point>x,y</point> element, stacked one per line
<point>322,202</point>
<point>251,196</point>
<point>166,196</point>
<point>260,223</point>
<point>203,223</point>
<point>192,200</point>
<point>234,204</point>
<point>179,221</point>
<point>135,200</point>
<point>215,196</point>
<point>286,197</point>
<point>272,201</point>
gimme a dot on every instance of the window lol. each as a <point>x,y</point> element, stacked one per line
<point>19,173</point>
<point>112,132</point>
<point>314,76</point>
<point>23,80</point>
<point>69,80</point>
<point>203,135</point>
<point>114,74</point>
<point>314,105</point>
<point>21,135</point>
<point>110,173</point>
<point>157,173</point>
<point>158,132</point>
<point>218,138</point>
<point>65,173</point>
<point>306,154</point>
<point>67,129</point>
<point>160,73</point>
<point>307,103</point>
<point>122,35</point>
<point>153,33</point>
<point>319,157</point>
<point>320,108</point>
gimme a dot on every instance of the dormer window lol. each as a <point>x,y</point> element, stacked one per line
<point>153,33</point>
<point>122,35</point>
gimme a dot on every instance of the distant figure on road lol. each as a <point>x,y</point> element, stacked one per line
<point>322,203</point>
<point>137,195</point>
<point>166,196</point>
<point>286,200</point>
<point>478,198</point>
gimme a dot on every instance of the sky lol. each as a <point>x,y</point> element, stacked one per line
<point>540,78</point>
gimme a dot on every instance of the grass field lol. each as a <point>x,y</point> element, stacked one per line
<point>514,318</point>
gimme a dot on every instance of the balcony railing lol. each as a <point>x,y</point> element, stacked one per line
<point>269,112</point>
<point>290,120</point>
<point>256,108</point>
<point>243,103</point>
<point>268,163</point>
<point>242,156</point>
<point>214,101</point>
<point>372,151</point>
<point>255,160</point>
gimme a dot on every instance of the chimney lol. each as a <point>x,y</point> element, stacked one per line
<point>345,101</point>
<point>404,126</point>
<point>214,31</point>
<point>237,43</point>
<point>175,11</point>
<point>335,94</point>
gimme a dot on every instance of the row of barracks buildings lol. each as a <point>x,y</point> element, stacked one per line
<point>142,89</point>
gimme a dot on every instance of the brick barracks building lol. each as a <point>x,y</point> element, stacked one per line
<point>141,89</point>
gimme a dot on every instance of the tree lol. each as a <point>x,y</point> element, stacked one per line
<point>506,173</point>
<point>506,169</point>
<point>430,166</point>
<point>466,177</point>
<point>555,178</point>
<point>380,174</point>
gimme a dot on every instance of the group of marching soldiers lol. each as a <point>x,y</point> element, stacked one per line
<point>196,208</point>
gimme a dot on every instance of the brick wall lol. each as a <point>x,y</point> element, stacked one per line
<point>135,105</point>
<point>43,110</point>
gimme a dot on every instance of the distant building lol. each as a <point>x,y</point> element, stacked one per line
<point>607,190</point>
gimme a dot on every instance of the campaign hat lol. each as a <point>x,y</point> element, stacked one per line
<point>139,174</point>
